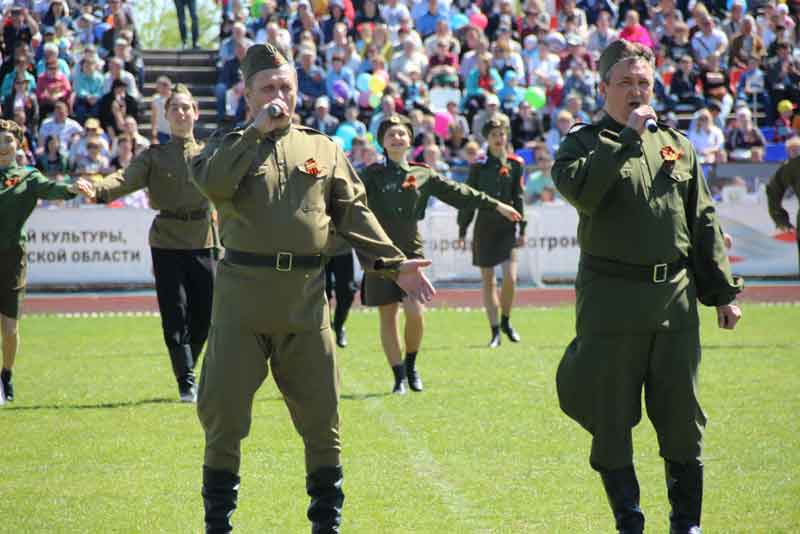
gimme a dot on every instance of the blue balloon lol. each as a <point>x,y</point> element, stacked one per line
<point>458,21</point>
<point>347,133</point>
<point>362,81</point>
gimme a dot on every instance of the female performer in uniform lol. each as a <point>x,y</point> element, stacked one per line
<point>20,188</point>
<point>398,193</point>
<point>499,175</point>
<point>183,237</point>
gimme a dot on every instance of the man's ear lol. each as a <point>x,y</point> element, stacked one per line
<point>602,87</point>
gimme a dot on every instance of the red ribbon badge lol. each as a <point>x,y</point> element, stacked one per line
<point>11,182</point>
<point>311,167</point>
<point>410,183</point>
<point>503,171</point>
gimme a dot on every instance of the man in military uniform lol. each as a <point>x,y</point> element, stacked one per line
<point>501,176</point>
<point>183,237</point>
<point>787,176</point>
<point>278,188</point>
<point>650,247</point>
<point>20,190</point>
<point>398,193</point>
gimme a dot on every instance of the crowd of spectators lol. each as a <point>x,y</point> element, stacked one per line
<point>727,72</point>
<point>72,76</point>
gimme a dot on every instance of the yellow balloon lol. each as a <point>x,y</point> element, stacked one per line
<point>377,85</point>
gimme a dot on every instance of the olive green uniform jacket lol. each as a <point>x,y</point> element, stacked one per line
<point>787,176</point>
<point>280,193</point>
<point>636,211</point>
<point>20,189</point>
<point>494,237</point>
<point>398,194</point>
<point>184,221</point>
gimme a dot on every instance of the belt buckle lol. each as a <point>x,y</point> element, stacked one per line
<point>284,265</point>
<point>660,273</point>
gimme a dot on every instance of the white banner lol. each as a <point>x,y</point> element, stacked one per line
<point>109,246</point>
<point>91,245</point>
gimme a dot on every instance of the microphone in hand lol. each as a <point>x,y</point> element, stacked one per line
<point>651,125</point>
<point>274,110</point>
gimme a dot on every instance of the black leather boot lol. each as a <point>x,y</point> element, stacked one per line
<point>622,490</point>
<point>339,317</point>
<point>197,349</point>
<point>685,492</point>
<point>324,486</point>
<point>7,384</point>
<point>414,380</point>
<point>505,326</point>
<point>399,371</point>
<point>220,491</point>
<point>183,365</point>
<point>495,341</point>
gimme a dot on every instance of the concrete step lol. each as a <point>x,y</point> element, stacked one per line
<point>203,102</point>
<point>187,75</point>
<point>180,57</point>
<point>198,90</point>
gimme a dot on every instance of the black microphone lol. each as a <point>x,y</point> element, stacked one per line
<point>651,125</point>
<point>274,110</point>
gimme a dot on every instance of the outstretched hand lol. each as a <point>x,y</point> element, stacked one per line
<point>413,281</point>
<point>83,187</point>
<point>509,212</point>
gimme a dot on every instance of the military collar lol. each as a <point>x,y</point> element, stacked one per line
<point>491,157</point>
<point>10,168</point>
<point>608,123</point>
<point>277,134</point>
<point>401,164</point>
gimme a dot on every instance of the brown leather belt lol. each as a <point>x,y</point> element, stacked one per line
<point>196,215</point>
<point>655,274</point>
<point>282,261</point>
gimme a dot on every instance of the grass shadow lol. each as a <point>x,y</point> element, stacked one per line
<point>98,406</point>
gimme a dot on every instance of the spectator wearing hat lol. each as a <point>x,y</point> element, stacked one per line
<point>21,29</point>
<point>490,110</point>
<point>635,32</point>
<point>746,43</point>
<point>601,35</point>
<point>783,124</point>
<point>92,131</point>
<point>335,16</point>
<point>310,79</point>
<point>53,86</point>
<point>88,85</point>
<point>321,118</point>
<point>59,124</point>
<point>744,141</point>
<point>114,106</point>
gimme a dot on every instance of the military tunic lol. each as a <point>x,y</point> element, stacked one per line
<point>787,176</point>
<point>183,240</point>
<point>650,247</point>
<point>494,237</point>
<point>278,195</point>
<point>20,189</point>
<point>398,194</point>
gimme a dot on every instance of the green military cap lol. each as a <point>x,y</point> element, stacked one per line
<point>622,50</point>
<point>261,57</point>
<point>13,128</point>
<point>394,120</point>
<point>499,120</point>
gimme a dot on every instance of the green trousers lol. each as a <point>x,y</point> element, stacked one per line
<point>304,368</point>
<point>600,381</point>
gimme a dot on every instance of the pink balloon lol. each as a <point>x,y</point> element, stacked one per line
<point>479,20</point>
<point>382,74</point>
<point>443,120</point>
<point>363,99</point>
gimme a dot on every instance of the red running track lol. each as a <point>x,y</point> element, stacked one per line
<point>78,303</point>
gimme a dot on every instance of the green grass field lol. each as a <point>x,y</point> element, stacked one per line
<point>96,443</point>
